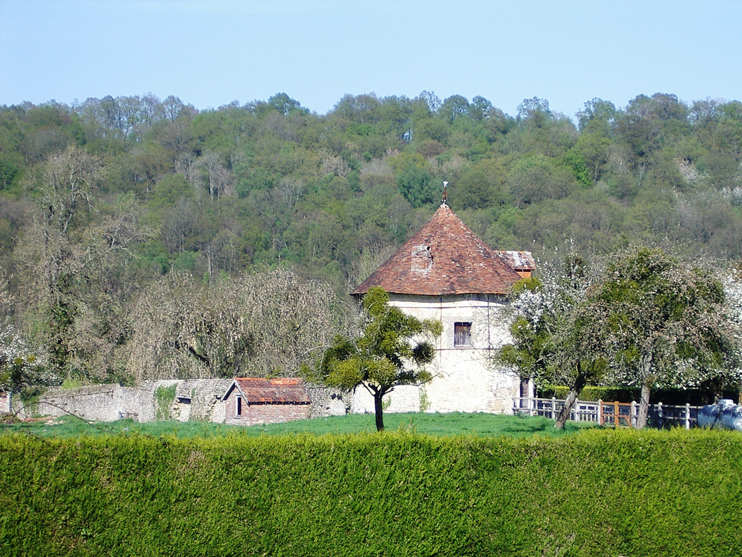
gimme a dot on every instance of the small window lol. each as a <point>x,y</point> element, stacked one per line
<point>462,334</point>
<point>238,408</point>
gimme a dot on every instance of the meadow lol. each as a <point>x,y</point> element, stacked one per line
<point>451,424</point>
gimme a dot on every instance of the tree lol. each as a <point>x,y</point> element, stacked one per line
<point>454,107</point>
<point>256,325</point>
<point>65,186</point>
<point>666,323</point>
<point>557,330</point>
<point>390,352</point>
<point>578,355</point>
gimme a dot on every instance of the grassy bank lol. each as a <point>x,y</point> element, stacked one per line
<point>480,425</point>
<point>594,493</point>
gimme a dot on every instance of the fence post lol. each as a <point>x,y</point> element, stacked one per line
<point>531,405</point>
<point>687,415</point>
<point>575,412</point>
<point>632,418</point>
<point>600,412</point>
<point>553,408</point>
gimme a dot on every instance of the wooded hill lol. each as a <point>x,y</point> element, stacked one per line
<point>144,238</point>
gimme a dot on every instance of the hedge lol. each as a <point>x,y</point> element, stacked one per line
<point>695,397</point>
<point>595,493</point>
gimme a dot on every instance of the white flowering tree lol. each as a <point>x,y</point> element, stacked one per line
<point>556,331</point>
<point>20,368</point>
<point>666,324</point>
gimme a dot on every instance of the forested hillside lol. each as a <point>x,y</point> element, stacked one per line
<point>143,238</point>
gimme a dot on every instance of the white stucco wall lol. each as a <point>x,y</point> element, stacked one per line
<point>465,379</point>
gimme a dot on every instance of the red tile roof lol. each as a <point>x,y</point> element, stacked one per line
<point>445,257</point>
<point>272,391</point>
<point>520,260</point>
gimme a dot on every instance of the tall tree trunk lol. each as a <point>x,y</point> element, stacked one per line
<point>574,392</point>
<point>379,410</point>
<point>641,419</point>
<point>646,368</point>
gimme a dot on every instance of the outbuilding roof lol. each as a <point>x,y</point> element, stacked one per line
<point>446,257</point>
<point>255,390</point>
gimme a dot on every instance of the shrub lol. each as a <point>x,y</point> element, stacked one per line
<point>595,493</point>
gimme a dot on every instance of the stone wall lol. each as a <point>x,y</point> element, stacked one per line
<point>103,403</point>
<point>167,399</point>
<point>327,401</point>
<point>183,400</point>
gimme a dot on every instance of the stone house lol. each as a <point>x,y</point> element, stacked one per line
<point>446,272</point>
<point>253,401</point>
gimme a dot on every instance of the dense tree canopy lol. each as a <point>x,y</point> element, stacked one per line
<point>159,187</point>
<point>666,324</point>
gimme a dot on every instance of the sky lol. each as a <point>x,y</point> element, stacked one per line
<point>212,52</point>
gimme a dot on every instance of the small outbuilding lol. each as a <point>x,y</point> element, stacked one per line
<point>254,401</point>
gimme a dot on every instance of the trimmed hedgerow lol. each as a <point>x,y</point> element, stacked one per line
<point>695,397</point>
<point>594,493</point>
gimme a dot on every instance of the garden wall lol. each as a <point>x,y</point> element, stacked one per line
<point>182,400</point>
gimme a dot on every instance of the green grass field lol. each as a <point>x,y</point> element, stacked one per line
<point>478,425</point>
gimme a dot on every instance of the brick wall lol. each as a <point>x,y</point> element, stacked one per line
<point>254,414</point>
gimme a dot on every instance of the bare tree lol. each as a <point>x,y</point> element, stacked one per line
<point>261,324</point>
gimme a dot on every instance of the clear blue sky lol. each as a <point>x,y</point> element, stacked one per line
<point>212,52</point>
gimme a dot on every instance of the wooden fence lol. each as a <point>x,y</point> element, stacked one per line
<point>617,414</point>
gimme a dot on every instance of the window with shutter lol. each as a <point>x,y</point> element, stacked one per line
<point>462,334</point>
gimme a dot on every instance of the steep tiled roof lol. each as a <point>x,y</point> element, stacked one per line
<point>272,391</point>
<point>444,257</point>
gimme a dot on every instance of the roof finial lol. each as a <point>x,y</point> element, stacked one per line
<point>445,192</point>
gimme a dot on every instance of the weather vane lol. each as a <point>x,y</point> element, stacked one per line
<point>445,192</point>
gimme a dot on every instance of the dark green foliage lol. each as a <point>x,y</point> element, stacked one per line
<point>270,183</point>
<point>694,397</point>
<point>390,352</point>
<point>417,186</point>
<point>597,493</point>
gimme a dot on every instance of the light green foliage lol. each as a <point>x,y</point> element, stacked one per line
<point>557,331</point>
<point>645,321</point>
<point>164,398</point>
<point>449,424</point>
<point>650,493</point>
<point>390,351</point>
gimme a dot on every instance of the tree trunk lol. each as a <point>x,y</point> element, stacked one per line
<point>641,419</point>
<point>574,392</point>
<point>379,411</point>
<point>646,367</point>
